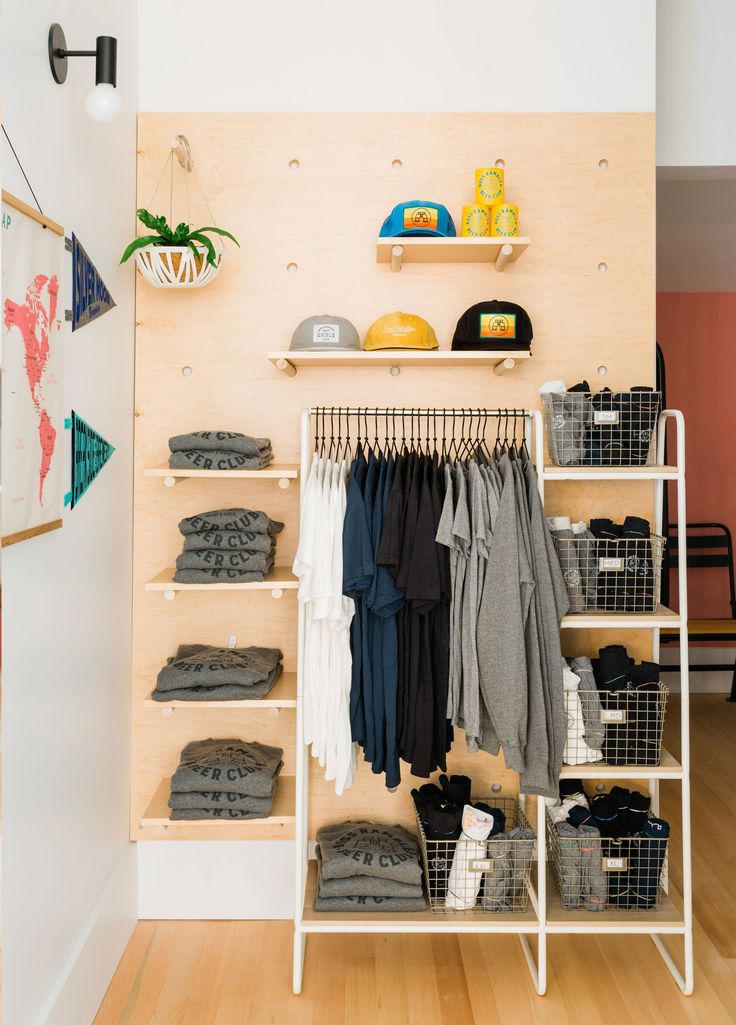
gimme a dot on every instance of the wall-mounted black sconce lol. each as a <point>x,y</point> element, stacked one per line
<point>103,102</point>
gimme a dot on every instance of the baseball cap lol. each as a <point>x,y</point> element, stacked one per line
<point>325,334</point>
<point>494,326</point>
<point>418,218</point>
<point>400,331</point>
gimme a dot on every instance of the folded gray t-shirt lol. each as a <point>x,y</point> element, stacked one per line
<point>195,459</point>
<point>231,519</point>
<point>228,441</point>
<point>228,692</point>
<point>364,886</point>
<point>255,561</point>
<point>231,765</point>
<point>192,814</point>
<point>228,541</point>
<point>203,665</point>
<point>365,848</point>
<point>219,799</point>
<point>369,903</point>
<point>222,575</point>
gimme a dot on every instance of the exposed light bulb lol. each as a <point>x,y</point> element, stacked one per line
<point>103,103</point>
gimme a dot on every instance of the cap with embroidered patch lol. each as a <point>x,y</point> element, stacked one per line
<point>400,331</point>
<point>418,218</point>
<point>494,326</point>
<point>325,334</point>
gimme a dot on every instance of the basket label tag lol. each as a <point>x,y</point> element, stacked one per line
<point>605,416</point>
<point>608,563</point>
<point>614,864</point>
<point>481,865</point>
<point>613,715</point>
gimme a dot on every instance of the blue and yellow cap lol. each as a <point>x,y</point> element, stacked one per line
<point>418,218</point>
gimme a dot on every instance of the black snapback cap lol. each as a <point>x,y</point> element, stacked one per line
<point>494,326</point>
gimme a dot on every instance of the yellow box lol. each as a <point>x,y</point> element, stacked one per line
<point>476,222</point>
<point>504,220</point>
<point>489,187</point>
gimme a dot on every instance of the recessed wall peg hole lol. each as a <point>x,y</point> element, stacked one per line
<point>602,371</point>
<point>395,371</point>
<point>294,165</point>
<point>397,165</point>
<point>603,267</point>
<point>500,163</point>
<point>603,164</point>
<point>292,268</point>
<point>496,788</point>
<point>186,371</point>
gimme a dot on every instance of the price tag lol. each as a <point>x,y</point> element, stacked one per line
<point>605,416</point>
<point>232,641</point>
<point>614,864</point>
<point>481,865</point>
<point>613,715</point>
<point>608,564</point>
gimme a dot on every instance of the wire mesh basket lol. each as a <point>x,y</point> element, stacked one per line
<point>622,727</point>
<point>601,428</point>
<point>616,575</point>
<point>490,875</point>
<point>597,873</point>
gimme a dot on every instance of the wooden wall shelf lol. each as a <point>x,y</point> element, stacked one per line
<point>498,251</point>
<point>283,695</point>
<point>278,826</point>
<point>499,362</point>
<point>284,474</point>
<point>279,579</point>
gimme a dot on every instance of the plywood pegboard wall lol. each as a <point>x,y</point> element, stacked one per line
<point>324,216</point>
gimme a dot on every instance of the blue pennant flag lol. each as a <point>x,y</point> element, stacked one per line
<point>90,452</point>
<point>90,295</point>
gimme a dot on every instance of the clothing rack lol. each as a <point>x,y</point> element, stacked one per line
<point>544,917</point>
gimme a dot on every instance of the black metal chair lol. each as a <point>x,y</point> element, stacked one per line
<point>710,550</point>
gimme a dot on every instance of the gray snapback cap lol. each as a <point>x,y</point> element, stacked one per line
<point>325,334</point>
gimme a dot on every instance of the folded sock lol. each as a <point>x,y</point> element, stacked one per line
<point>604,810</point>
<point>579,816</point>
<point>456,789</point>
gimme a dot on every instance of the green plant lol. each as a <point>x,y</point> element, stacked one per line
<point>181,235</point>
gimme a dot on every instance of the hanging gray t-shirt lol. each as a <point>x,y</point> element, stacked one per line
<point>228,441</point>
<point>232,765</point>
<point>365,848</point>
<point>230,519</point>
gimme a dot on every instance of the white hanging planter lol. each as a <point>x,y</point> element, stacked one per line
<point>176,266</point>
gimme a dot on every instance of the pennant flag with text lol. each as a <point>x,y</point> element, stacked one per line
<point>90,452</point>
<point>90,297</point>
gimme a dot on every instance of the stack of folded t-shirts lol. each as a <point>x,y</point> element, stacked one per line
<point>202,672</point>
<point>617,826</point>
<point>607,565</point>
<point>227,545</point>
<point>635,691</point>
<point>602,429</point>
<point>459,832</point>
<point>225,779</point>
<point>365,866</point>
<point>219,450</point>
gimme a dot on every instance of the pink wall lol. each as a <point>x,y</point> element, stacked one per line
<point>697,332</point>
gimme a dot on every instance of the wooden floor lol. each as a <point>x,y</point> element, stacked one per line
<point>239,973</point>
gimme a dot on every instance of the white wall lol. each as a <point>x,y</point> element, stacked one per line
<point>414,55</point>
<point>68,870</point>
<point>696,82</point>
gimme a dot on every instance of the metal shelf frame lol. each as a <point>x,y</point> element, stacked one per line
<point>547,917</point>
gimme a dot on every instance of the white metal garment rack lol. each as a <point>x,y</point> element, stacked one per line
<point>544,917</point>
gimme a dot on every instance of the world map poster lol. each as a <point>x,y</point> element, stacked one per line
<point>32,376</point>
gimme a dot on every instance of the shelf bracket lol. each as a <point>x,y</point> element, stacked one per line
<point>169,595</point>
<point>504,366</point>
<point>284,483</point>
<point>171,482</point>
<point>504,254</point>
<point>285,367</point>
<point>397,255</point>
<point>277,592</point>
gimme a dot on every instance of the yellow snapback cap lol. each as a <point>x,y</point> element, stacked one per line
<point>400,331</point>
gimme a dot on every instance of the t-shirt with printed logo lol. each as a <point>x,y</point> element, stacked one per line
<point>365,848</point>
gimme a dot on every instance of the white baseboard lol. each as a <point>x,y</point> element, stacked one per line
<point>215,879</point>
<point>700,683</point>
<point>81,985</point>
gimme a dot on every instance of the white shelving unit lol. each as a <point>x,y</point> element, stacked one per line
<point>545,916</point>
